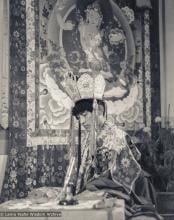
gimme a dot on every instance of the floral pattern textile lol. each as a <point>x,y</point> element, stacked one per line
<point>32,167</point>
<point>112,154</point>
<point>123,166</point>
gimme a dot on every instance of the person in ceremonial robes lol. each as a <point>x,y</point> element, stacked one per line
<point>108,163</point>
<point>102,157</point>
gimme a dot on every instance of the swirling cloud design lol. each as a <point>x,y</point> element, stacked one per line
<point>54,104</point>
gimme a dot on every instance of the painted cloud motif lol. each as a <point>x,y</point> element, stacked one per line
<point>55,105</point>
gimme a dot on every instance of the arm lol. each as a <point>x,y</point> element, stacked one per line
<point>68,25</point>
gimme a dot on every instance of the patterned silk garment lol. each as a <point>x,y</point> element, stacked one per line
<point>114,154</point>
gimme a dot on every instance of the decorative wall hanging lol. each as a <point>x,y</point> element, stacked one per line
<point>82,37</point>
<point>30,21</point>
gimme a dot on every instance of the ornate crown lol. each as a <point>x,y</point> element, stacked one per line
<point>85,86</point>
<point>93,14</point>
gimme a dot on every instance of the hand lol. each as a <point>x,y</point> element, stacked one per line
<point>68,26</point>
<point>106,75</point>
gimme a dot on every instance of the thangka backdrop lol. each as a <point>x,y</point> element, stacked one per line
<point>49,38</point>
<point>74,35</point>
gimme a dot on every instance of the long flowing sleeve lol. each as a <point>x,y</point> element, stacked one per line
<point>123,166</point>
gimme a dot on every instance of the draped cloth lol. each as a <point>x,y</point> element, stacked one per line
<point>112,154</point>
<point>114,169</point>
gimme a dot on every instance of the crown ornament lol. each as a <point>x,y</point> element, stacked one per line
<point>93,14</point>
<point>87,86</point>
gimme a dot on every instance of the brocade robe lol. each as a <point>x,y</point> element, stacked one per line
<point>114,169</point>
<point>112,154</point>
